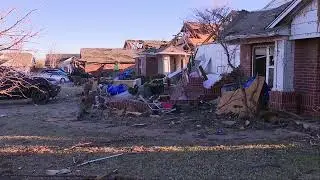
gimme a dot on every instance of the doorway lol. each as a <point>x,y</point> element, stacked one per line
<point>263,63</point>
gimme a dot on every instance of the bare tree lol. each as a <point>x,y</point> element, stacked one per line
<point>52,58</point>
<point>217,21</point>
<point>13,35</point>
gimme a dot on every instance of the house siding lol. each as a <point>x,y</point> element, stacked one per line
<point>306,23</point>
<point>219,60</point>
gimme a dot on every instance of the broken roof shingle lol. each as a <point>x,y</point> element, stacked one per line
<point>143,44</point>
<point>253,23</point>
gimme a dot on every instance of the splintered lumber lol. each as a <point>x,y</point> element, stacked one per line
<point>234,101</point>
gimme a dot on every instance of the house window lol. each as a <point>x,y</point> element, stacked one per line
<point>264,63</point>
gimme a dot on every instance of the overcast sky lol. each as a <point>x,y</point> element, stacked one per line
<point>68,25</point>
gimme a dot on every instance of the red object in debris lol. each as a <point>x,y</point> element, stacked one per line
<point>166,105</point>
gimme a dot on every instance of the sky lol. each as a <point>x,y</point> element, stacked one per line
<point>67,25</point>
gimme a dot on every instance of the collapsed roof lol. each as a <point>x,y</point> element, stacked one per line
<point>143,44</point>
<point>247,23</point>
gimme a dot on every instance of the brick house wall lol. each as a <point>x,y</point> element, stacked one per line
<point>306,96</point>
<point>286,101</point>
<point>307,75</point>
<point>246,59</point>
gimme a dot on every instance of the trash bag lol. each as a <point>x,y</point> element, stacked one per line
<point>127,74</point>
<point>117,89</point>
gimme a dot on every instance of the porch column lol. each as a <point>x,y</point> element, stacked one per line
<point>282,96</point>
<point>284,66</point>
<point>166,64</point>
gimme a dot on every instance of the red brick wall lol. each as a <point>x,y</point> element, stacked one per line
<point>246,59</point>
<point>307,74</point>
<point>284,101</point>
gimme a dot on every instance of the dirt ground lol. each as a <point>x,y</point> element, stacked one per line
<point>191,144</point>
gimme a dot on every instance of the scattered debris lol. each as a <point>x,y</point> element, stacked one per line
<point>229,123</point>
<point>78,145</point>
<point>243,102</point>
<point>107,175</point>
<point>155,116</point>
<point>247,123</point>
<point>58,172</point>
<point>3,115</point>
<point>134,113</point>
<point>139,125</point>
<point>99,159</point>
<point>220,132</point>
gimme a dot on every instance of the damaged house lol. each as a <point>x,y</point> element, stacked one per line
<point>212,58</point>
<point>104,59</point>
<point>53,60</point>
<point>173,56</point>
<point>143,44</point>
<point>191,35</point>
<point>164,60</point>
<point>282,43</point>
<point>18,60</point>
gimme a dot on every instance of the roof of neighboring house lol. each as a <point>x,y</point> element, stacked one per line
<point>90,68</point>
<point>172,50</point>
<point>107,55</point>
<point>253,23</point>
<point>149,51</point>
<point>17,59</point>
<point>197,32</point>
<point>58,58</point>
<point>143,44</point>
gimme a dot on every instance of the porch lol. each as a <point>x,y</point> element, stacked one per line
<point>291,69</point>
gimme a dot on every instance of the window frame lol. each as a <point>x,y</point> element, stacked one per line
<point>268,66</point>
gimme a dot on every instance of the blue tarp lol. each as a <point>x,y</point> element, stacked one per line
<point>127,74</point>
<point>116,89</point>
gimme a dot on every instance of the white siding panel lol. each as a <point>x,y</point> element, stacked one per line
<point>219,62</point>
<point>307,16</point>
<point>306,23</point>
<point>284,65</point>
<point>304,28</point>
<point>276,3</point>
